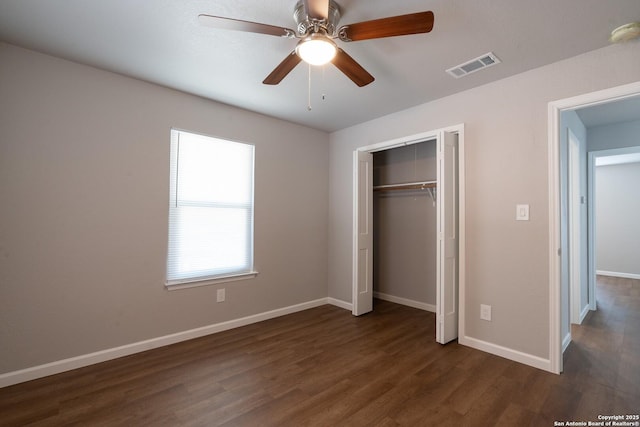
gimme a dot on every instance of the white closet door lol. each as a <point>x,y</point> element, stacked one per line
<point>363,233</point>
<point>447,269</point>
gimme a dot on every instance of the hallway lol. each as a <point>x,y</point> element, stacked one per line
<point>603,361</point>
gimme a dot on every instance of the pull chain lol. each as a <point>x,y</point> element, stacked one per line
<point>324,96</point>
<point>309,92</point>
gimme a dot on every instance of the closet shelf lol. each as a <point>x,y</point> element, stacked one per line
<point>422,185</point>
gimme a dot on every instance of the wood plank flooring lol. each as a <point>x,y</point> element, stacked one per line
<point>323,367</point>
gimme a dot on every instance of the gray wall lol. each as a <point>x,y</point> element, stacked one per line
<point>612,245</point>
<point>84,184</point>
<point>405,224</point>
<point>506,149</point>
<point>617,218</point>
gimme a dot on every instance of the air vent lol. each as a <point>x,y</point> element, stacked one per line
<point>477,64</point>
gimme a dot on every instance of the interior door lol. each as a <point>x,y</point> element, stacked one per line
<point>363,233</point>
<point>447,266</point>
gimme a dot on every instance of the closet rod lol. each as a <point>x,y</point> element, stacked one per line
<point>422,185</point>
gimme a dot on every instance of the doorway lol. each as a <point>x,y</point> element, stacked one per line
<point>564,304</point>
<point>450,227</point>
<point>613,223</point>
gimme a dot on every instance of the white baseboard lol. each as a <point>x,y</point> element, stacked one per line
<point>405,301</point>
<point>340,303</point>
<point>566,341</point>
<point>507,353</point>
<point>618,274</point>
<point>584,312</point>
<point>28,374</point>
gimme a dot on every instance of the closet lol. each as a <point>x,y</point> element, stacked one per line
<point>408,251</point>
<point>405,225</point>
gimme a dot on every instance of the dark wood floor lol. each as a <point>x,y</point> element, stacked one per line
<point>323,367</point>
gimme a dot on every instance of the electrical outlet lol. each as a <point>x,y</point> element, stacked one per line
<point>220,295</point>
<point>485,312</point>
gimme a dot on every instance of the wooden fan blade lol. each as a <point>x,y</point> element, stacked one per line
<point>284,68</point>
<point>317,9</point>
<point>352,69</point>
<point>413,23</point>
<point>247,26</point>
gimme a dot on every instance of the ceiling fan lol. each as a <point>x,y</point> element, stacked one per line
<point>317,27</point>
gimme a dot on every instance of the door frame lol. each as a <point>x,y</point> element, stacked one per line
<point>409,140</point>
<point>574,224</point>
<point>555,109</point>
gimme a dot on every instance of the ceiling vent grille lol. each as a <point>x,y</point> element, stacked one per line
<point>477,64</point>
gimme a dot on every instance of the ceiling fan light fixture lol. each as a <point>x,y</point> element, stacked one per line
<point>316,49</point>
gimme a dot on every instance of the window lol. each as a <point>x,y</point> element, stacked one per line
<point>210,210</point>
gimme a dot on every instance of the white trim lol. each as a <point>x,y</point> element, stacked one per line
<point>400,142</point>
<point>584,312</point>
<point>554,110</point>
<point>412,139</point>
<point>404,301</point>
<point>591,231</point>
<point>618,274</point>
<point>507,353</point>
<point>604,96</point>
<point>555,281</point>
<point>174,285</point>
<point>340,303</point>
<point>574,224</point>
<point>64,365</point>
<point>462,242</point>
<point>566,341</point>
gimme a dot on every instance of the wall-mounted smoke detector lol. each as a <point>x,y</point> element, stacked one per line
<point>477,64</point>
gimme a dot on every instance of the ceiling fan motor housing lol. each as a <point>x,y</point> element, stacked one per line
<point>305,25</point>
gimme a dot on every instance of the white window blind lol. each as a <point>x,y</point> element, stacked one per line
<point>210,208</point>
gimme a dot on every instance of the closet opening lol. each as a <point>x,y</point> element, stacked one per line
<point>404,225</point>
<point>408,244</point>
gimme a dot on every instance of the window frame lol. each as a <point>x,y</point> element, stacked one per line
<point>205,280</point>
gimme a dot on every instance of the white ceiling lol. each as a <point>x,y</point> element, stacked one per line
<point>161,41</point>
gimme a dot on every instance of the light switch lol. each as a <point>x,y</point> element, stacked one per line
<point>485,312</point>
<point>522,212</point>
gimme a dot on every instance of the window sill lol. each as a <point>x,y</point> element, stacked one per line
<point>185,284</point>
